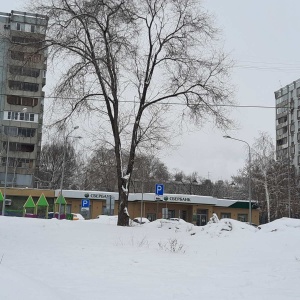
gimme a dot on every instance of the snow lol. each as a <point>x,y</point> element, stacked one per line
<point>164,259</point>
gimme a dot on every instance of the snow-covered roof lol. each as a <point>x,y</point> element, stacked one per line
<point>175,198</point>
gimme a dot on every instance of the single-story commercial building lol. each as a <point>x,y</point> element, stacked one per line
<point>192,208</point>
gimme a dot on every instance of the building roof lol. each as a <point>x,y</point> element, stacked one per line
<point>149,197</point>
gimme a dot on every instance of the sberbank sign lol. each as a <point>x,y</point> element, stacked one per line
<point>179,199</point>
<point>97,196</point>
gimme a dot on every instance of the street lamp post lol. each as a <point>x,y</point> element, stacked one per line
<point>249,178</point>
<point>63,166</point>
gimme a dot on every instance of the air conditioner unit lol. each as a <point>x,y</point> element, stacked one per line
<point>8,202</point>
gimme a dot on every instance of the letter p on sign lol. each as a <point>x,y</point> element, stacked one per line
<point>85,203</point>
<point>159,189</point>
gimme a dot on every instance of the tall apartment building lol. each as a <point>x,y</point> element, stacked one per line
<point>22,77</point>
<point>288,123</point>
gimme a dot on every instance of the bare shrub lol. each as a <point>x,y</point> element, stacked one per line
<point>173,246</point>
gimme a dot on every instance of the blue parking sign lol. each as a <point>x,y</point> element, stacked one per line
<point>159,189</point>
<point>85,203</point>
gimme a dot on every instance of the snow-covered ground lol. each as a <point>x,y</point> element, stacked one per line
<point>95,259</point>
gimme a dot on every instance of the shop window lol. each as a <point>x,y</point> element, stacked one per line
<point>151,217</point>
<point>225,215</point>
<point>171,213</point>
<point>183,215</point>
<point>243,217</point>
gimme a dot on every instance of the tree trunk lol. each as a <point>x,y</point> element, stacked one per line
<point>267,197</point>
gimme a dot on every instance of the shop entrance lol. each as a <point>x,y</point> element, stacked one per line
<point>201,217</point>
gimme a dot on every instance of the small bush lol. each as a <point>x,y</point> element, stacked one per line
<point>173,246</point>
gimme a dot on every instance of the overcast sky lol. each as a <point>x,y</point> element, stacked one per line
<point>262,38</point>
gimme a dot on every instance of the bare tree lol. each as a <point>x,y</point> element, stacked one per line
<point>264,158</point>
<point>51,161</point>
<point>130,62</point>
<point>100,172</point>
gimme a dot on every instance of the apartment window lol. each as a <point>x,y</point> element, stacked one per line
<point>281,120</point>
<point>19,26</point>
<point>292,103</point>
<point>23,71</point>
<point>281,110</point>
<point>24,101</point>
<point>19,147</point>
<point>11,131</point>
<point>17,55</point>
<point>18,162</point>
<point>281,141</point>
<point>298,92</point>
<point>292,128</point>
<point>243,217</point>
<point>298,136</point>
<point>293,149</point>
<point>298,159</point>
<point>26,117</point>
<point>225,215</point>
<point>23,86</point>
<point>19,131</point>
<point>28,41</point>
<point>13,115</point>
<point>282,130</point>
<point>35,58</point>
<point>32,28</point>
<point>26,132</point>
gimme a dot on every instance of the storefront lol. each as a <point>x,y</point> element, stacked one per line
<point>191,208</point>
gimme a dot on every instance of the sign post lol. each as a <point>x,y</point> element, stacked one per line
<point>159,191</point>
<point>85,208</point>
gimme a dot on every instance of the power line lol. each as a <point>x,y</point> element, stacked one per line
<point>162,103</point>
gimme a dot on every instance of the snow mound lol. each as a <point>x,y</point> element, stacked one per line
<point>172,224</point>
<point>104,219</point>
<point>224,226</point>
<point>282,224</point>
